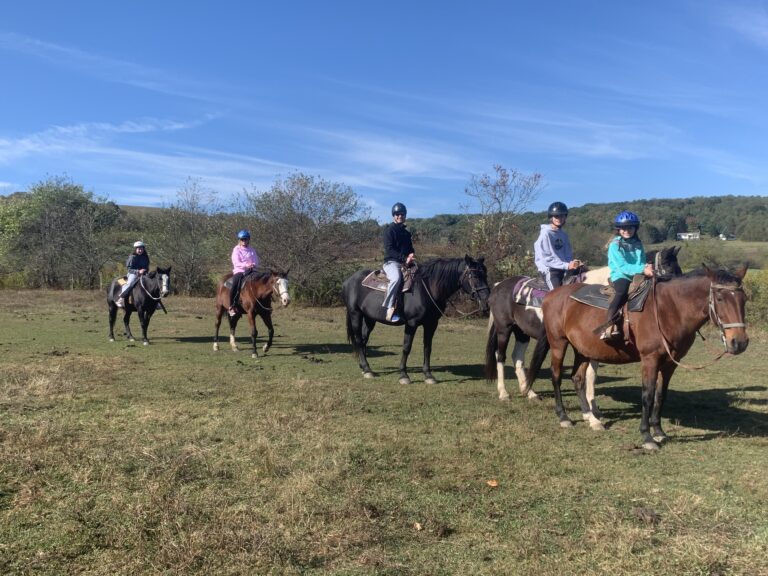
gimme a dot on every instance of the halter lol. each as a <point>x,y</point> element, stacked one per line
<point>470,274</point>
<point>279,288</point>
<point>163,286</point>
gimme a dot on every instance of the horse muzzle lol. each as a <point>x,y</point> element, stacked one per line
<point>736,344</point>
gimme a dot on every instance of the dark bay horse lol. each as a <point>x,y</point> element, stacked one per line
<point>659,336</point>
<point>436,281</point>
<point>145,297</point>
<point>256,295</point>
<point>508,318</point>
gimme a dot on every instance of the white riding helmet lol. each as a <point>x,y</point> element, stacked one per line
<point>138,244</point>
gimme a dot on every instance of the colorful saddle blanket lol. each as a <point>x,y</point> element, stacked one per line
<point>530,292</point>
<point>377,279</point>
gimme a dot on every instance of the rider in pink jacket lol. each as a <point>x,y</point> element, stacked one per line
<point>244,259</point>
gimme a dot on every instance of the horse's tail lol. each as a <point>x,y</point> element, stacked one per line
<point>490,350</point>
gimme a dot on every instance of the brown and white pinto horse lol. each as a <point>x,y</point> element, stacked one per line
<point>256,297</point>
<point>660,336</point>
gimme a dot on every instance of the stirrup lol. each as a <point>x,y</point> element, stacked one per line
<point>391,316</point>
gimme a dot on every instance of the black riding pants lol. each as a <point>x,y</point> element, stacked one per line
<point>621,287</point>
<point>234,294</point>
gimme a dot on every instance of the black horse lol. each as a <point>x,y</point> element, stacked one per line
<point>435,282</point>
<point>145,297</point>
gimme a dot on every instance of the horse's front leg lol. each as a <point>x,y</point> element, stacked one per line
<point>126,323</point>
<point>410,331</point>
<point>540,352</point>
<point>650,371</point>
<point>429,333</point>
<point>267,318</point>
<point>144,317</point>
<point>662,385</point>
<point>254,333</point>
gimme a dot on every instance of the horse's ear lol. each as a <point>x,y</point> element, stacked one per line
<point>467,258</point>
<point>742,271</point>
<point>481,259</point>
<point>676,249</point>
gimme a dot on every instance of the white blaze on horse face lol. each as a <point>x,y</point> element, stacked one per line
<point>282,290</point>
<point>165,285</point>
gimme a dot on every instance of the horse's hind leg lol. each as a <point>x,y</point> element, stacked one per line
<point>558,355</point>
<point>216,325</point>
<point>584,382</point>
<point>144,317</point>
<point>112,318</point>
<point>126,323</point>
<point>502,341</point>
<point>591,380</point>
<point>363,326</point>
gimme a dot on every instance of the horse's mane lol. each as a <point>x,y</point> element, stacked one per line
<point>722,276</point>
<point>441,269</point>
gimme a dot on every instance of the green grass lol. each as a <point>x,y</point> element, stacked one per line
<point>121,459</point>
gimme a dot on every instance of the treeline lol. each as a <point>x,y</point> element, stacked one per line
<point>59,235</point>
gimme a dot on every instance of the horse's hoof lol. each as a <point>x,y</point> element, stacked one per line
<point>265,348</point>
<point>504,397</point>
<point>660,438</point>
<point>430,381</point>
<point>369,375</point>
<point>131,339</point>
<point>404,380</point>
<point>533,396</point>
<point>650,445</point>
<point>597,426</point>
<point>215,347</point>
<point>111,339</point>
<point>146,343</point>
<point>254,355</point>
<point>566,424</point>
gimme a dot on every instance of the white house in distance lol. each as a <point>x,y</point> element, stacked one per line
<point>689,235</point>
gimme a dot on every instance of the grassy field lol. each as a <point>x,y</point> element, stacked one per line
<point>173,459</point>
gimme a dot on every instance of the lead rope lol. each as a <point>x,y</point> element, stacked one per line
<point>664,340</point>
<point>141,283</point>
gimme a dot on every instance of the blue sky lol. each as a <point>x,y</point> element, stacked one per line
<point>403,101</point>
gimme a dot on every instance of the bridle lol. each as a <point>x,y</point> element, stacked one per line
<point>713,316</point>
<point>164,289</point>
<point>279,289</point>
<point>471,276</point>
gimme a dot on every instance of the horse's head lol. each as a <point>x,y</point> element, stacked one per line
<point>280,287</point>
<point>165,281</point>
<point>726,307</point>
<point>474,281</point>
<point>665,263</point>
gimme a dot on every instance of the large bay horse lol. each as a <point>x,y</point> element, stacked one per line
<point>509,318</point>
<point>256,295</point>
<point>145,297</point>
<point>436,281</point>
<point>660,335</point>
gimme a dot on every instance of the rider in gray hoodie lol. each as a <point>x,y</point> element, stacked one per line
<point>552,250</point>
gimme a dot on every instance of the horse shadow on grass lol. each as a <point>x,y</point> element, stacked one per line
<point>720,410</point>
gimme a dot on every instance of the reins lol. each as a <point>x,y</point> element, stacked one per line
<point>147,292</point>
<point>467,272</point>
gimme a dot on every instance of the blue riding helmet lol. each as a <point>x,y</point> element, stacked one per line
<point>626,218</point>
<point>243,234</point>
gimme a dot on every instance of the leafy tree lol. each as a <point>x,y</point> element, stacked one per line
<point>187,235</point>
<point>308,225</point>
<point>501,197</point>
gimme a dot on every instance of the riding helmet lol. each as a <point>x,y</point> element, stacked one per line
<point>557,209</point>
<point>399,208</point>
<point>626,218</point>
<point>243,234</point>
<point>138,244</point>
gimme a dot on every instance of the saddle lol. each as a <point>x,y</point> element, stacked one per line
<point>251,275</point>
<point>377,280</point>
<point>530,291</point>
<point>601,296</point>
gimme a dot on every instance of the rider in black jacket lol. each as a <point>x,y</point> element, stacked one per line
<point>398,251</point>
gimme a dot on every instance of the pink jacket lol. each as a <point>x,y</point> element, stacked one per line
<point>243,258</point>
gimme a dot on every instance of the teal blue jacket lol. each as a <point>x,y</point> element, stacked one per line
<point>625,258</point>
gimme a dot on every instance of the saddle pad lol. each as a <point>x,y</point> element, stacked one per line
<point>377,280</point>
<point>122,281</point>
<point>596,295</point>
<point>250,275</point>
<point>530,292</point>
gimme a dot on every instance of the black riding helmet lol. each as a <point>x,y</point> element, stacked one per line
<point>557,209</point>
<point>399,208</point>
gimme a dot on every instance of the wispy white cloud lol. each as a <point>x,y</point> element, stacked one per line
<point>105,68</point>
<point>749,20</point>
